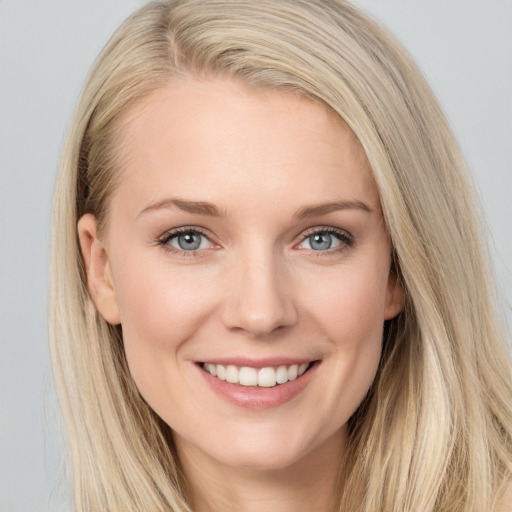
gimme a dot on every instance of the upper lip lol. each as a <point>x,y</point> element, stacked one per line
<point>258,362</point>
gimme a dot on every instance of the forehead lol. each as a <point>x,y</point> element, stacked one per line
<point>194,137</point>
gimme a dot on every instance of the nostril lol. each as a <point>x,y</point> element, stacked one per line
<point>260,318</point>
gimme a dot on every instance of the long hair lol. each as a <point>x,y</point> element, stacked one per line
<point>435,430</point>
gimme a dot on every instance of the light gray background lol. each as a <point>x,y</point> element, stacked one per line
<point>46,47</point>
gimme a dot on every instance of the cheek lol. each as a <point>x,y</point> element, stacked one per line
<point>155,298</point>
<point>161,308</point>
<point>350,313</point>
<point>351,304</point>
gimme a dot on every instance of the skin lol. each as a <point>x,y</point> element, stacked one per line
<point>256,287</point>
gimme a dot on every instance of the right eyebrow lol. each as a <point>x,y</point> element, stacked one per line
<point>197,207</point>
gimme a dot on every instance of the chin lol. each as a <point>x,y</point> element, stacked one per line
<point>269,448</point>
<point>262,459</point>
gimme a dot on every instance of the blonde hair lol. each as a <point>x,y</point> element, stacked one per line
<point>434,432</point>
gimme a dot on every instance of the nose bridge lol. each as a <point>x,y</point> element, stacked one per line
<point>260,300</point>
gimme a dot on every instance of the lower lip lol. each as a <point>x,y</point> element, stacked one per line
<point>255,397</point>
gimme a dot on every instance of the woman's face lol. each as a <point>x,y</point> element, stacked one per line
<point>245,240</point>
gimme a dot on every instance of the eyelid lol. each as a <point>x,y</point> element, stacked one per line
<point>346,239</point>
<point>326,229</point>
<point>170,233</point>
<point>174,232</point>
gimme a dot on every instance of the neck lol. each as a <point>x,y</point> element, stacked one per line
<point>310,483</point>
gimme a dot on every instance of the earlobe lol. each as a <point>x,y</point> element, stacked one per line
<point>97,265</point>
<point>394,296</point>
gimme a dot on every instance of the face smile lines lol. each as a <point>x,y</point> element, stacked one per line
<point>265,377</point>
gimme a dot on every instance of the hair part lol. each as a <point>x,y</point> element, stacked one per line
<point>434,432</point>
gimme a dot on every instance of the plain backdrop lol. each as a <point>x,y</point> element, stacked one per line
<point>46,47</point>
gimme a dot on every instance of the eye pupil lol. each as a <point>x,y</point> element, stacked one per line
<point>189,241</point>
<point>321,241</point>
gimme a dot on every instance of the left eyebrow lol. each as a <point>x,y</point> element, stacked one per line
<point>325,208</point>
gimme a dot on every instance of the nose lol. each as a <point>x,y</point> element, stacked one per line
<point>259,299</point>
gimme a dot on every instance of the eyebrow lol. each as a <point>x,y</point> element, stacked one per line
<point>197,207</point>
<point>209,209</point>
<point>325,208</point>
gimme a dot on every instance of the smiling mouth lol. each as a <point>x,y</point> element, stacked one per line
<point>267,377</point>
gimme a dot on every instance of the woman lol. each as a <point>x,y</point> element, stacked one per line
<point>268,286</point>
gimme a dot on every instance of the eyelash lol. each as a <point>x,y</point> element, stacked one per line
<point>346,239</point>
<point>163,241</point>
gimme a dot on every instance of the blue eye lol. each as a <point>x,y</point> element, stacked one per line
<point>189,240</point>
<point>325,240</point>
<point>321,241</point>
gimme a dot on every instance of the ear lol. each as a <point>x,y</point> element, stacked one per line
<point>394,296</point>
<point>97,266</point>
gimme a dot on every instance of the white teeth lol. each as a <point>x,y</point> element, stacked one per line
<point>267,377</point>
<point>231,374</point>
<point>292,371</point>
<point>221,372</point>
<point>248,376</point>
<point>282,375</point>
